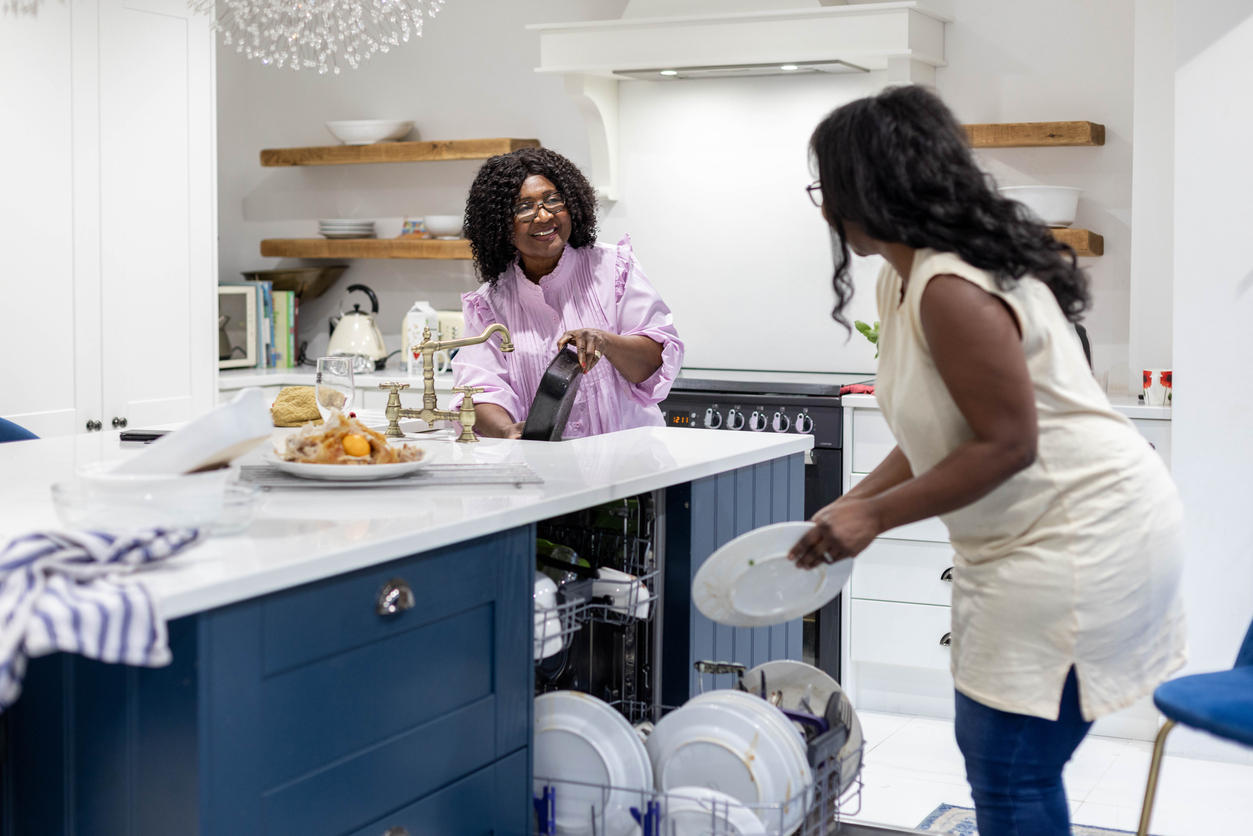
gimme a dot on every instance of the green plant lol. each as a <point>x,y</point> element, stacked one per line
<point>870,333</point>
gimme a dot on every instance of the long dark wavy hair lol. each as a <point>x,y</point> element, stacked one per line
<point>489,207</point>
<point>900,165</point>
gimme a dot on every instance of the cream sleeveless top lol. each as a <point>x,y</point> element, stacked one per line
<point>1075,560</point>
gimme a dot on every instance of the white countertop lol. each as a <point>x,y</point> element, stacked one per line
<point>1130,407</point>
<point>301,536</point>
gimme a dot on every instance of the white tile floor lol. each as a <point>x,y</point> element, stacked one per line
<point>912,765</point>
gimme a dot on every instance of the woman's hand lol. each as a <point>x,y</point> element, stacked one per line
<point>492,421</point>
<point>636,357</point>
<point>842,529</point>
<point>592,344</point>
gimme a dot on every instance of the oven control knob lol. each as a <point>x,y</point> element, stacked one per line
<point>781,423</point>
<point>804,424</point>
<point>713,418</point>
<point>735,419</point>
<point>757,421</point>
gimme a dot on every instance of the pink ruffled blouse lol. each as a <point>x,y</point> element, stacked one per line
<point>592,287</point>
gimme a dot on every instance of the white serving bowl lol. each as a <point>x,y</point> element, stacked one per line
<point>1054,205</point>
<point>109,501</point>
<point>444,226</point>
<point>369,131</point>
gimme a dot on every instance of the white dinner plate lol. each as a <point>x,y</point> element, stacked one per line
<point>338,235</point>
<point>348,472</point>
<point>722,746</point>
<point>772,722</point>
<point>749,582</point>
<point>699,811</point>
<point>806,688</point>
<point>585,746</point>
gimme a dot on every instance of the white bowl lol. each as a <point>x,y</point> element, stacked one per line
<point>109,501</point>
<point>444,226</point>
<point>1053,205</point>
<point>368,131</point>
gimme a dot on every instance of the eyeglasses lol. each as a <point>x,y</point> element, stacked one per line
<point>814,190</point>
<point>528,209</point>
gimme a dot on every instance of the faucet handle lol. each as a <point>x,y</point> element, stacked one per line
<point>468,390</point>
<point>395,387</point>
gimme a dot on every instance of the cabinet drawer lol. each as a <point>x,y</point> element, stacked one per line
<point>900,634</point>
<point>872,440</point>
<point>931,529</point>
<point>905,571</point>
<point>335,615</point>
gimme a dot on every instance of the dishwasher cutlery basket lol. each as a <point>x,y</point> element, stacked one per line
<point>651,808</point>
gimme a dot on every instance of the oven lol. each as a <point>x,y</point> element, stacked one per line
<point>779,403</point>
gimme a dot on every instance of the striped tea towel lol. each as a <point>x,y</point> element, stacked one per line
<point>63,591</point>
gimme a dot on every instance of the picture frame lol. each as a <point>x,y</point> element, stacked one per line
<point>237,327</point>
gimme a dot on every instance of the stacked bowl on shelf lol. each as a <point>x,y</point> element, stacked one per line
<point>346,228</point>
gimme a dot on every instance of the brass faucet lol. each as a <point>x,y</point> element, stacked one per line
<point>430,413</point>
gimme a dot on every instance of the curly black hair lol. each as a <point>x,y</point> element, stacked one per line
<point>489,207</point>
<point>900,165</point>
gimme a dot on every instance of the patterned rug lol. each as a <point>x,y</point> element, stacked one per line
<point>960,821</point>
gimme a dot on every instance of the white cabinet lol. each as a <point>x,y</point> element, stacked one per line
<point>899,599</point>
<point>110,209</point>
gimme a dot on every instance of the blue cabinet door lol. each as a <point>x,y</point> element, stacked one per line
<point>318,715</point>
<point>700,517</point>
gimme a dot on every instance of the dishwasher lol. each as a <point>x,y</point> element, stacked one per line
<point>603,637</point>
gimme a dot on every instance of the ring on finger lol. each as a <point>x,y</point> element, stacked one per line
<point>597,353</point>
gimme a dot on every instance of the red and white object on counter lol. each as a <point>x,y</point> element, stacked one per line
<point>1158,387</point>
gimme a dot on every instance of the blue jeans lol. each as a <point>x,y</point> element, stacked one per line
<point>1014,764</point>
<point>12,432</point>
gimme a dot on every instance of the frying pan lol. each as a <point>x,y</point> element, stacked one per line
<point>550,410</point>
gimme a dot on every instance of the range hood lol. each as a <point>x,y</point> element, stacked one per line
<point>688,40</point>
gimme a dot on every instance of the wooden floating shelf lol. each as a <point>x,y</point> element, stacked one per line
<point>394,152</point>
<point>1035,134</point>
<point>1084,241</point>
<point>365,248</point>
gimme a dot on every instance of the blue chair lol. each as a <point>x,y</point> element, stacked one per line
<point>1219,703</point>
<point>12,432</point>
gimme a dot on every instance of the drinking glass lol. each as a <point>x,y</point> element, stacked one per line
<point>333,386</point>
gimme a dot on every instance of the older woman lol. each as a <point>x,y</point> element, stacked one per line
<point>531,220</point>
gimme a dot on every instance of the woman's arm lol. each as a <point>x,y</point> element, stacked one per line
<point>494,422</point>
<point>977,350</point>
<point>636,357</point>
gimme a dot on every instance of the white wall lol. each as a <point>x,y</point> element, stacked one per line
<point>1213,340</point>
<point>1063,60</point>
<point>713,171</point>
<point>471,74</point>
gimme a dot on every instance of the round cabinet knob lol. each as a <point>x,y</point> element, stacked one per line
<point>735,420</point>
<point>781,423</point>
<point>713,418</point>
<point>394,598</point>
<point>119,423</point>
<point>93,426</point>
<point>757,422</point>
<point>804,424</point>
<point>946,640</point>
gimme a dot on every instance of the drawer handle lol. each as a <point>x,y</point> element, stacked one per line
<point>395,597</point>
<point>946,640</point>
<point>947,575</point>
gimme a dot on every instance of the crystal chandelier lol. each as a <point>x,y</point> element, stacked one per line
<point>317,34</point>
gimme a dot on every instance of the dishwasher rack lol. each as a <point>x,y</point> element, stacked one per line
<point>607,644</point>
<point>826,805</point>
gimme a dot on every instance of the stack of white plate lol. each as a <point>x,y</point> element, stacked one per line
<point>596,761</point>
<point>346,229</point>
<point>740,745</point>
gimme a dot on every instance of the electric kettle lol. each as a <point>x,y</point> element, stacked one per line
<point>355,335</point>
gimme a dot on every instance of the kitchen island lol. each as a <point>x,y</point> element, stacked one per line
<point>293,707</point>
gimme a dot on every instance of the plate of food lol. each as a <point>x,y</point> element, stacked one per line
<point>345,450</point>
